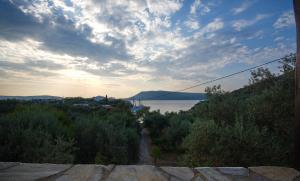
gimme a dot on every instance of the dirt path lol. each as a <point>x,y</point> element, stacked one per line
<point>144,155</point>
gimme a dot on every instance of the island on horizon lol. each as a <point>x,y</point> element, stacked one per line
<point>144,95</point>
<point>167,95</point>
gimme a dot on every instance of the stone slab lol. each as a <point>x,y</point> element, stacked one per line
<point>236,171</point>
<point>276,173</point>
<point>66,172</point>
<point>30,171</point>
<point>209,173</point>
<point>6,165</point>
<point>184,173</point>
<point>136,173</point>
<point>82,172</point>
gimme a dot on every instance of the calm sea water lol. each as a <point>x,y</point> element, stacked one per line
<point>170,105</point>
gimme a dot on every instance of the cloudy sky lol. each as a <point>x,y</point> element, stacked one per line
<point>118,47</point>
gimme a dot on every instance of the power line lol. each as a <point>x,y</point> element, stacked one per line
<point>219,78</point>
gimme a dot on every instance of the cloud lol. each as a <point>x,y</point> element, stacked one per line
<point>241,24</point>
<point>286,19</point>
<point>280,38</point>
<point>62,37</point>
<point>194,6</point>
<point>50,65</point>
<point>257,34</point>
<point>164,7</point>
<point>129,43</point>
<point>210,28</point>
<point>192,24</point>
<point>215,25</point>
<point>38,9</point>
<point>101,30</point>
<point>243,7</point>
<point>199,6</point>
<point>24,69</point>
<point>97,34</point>
<point>32,60</point>
<point>204,58</point>
<point>115,69</point>
<point>33,51</point>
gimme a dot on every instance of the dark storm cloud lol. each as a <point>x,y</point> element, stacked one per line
<point>60,38</point>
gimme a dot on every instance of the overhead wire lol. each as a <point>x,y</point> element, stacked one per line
<point>199,83</point>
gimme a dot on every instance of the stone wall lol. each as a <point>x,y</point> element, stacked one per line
<point>66,172</point>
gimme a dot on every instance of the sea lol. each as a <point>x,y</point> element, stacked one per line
<point>169,105</point>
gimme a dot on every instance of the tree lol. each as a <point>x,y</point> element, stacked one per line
<point>260,74</point>
<point>155,153</point>
<point>288,63</point>
<point>214,90</point>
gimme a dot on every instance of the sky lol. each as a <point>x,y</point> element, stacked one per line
<point>118,47</point>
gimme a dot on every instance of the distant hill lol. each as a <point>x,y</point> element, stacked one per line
<point>168,95</point>
<point>28,98</point>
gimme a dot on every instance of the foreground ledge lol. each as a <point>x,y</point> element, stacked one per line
<point>68,172</point>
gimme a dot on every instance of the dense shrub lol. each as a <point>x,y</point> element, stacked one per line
<point>31,132</point>
<point>240,144</point>
<point>249,126</point>
<point>35,134</point>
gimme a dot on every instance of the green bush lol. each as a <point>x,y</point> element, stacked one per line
<point>31,132</point>
<point>155,153</point>
<point>253,125</point>
<point>35,134</point>
<point>241,144</point>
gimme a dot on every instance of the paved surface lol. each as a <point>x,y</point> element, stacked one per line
<point>66,172</point>
<point>144,155</point>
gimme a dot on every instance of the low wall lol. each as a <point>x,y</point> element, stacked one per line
<point>66,172</point>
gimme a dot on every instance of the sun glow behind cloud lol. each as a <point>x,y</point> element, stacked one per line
<point>91,47</point>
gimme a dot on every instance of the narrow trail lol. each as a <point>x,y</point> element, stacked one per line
<point>144,155</point>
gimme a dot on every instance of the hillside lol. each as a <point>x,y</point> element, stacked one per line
<point>168,95</point>
<point>252,125</point>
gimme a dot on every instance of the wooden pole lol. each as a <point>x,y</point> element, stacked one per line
<point>297,86</point>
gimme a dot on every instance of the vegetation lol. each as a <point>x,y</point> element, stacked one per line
<point>64,133</point>
<point>249,126</point>
<point>155,153</point>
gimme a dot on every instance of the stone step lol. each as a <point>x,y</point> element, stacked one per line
<point>276,173</point>
<point>209,173</point>
<point>67,172</point>
<point>237,171</point>
<point>137,173</point>
<point>6,165</point>
<point>182,173</point>
<point>82,172</point>
<point>32,171</point>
